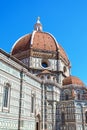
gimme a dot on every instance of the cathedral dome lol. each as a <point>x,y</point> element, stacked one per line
<point>72,80</point>
<point>40,41</point>
<point>22,44</point>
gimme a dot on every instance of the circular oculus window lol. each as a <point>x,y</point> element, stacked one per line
<point>44,64</point>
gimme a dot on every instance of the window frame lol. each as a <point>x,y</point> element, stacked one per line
<point>86,117</point>
<point>63,118</point>
<point>6,103</point>
<point>66,96</point>
<point>32,103</point>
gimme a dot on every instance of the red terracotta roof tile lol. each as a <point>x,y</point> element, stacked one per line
<point>41,41</point>
<point>72,80</point>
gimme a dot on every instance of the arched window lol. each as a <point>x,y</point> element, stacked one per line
<point>86,117</point>
<point>6,95</point>
<point>63,118</point>
<point>32,103</point>
<point>78,96</point>
<point>66,94</point>
<point>66,97</point>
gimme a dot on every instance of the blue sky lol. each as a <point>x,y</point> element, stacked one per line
<point>65,19</point>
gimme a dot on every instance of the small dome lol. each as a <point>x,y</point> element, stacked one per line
<point>72,80</point>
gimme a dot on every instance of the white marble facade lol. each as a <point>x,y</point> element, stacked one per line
<point>10,73</point>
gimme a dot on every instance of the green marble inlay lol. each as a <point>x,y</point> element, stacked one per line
<point>9,69</point>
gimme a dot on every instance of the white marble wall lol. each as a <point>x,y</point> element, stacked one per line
<point>10,73</point>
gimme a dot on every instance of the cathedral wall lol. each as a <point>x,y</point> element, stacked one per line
<point>9,113</point>
<point>81,117</point>
<point>52,64</point>
<point>37,63</point>
<point>63,67</point>
<point>30,88</point>
<point>11,80</point>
